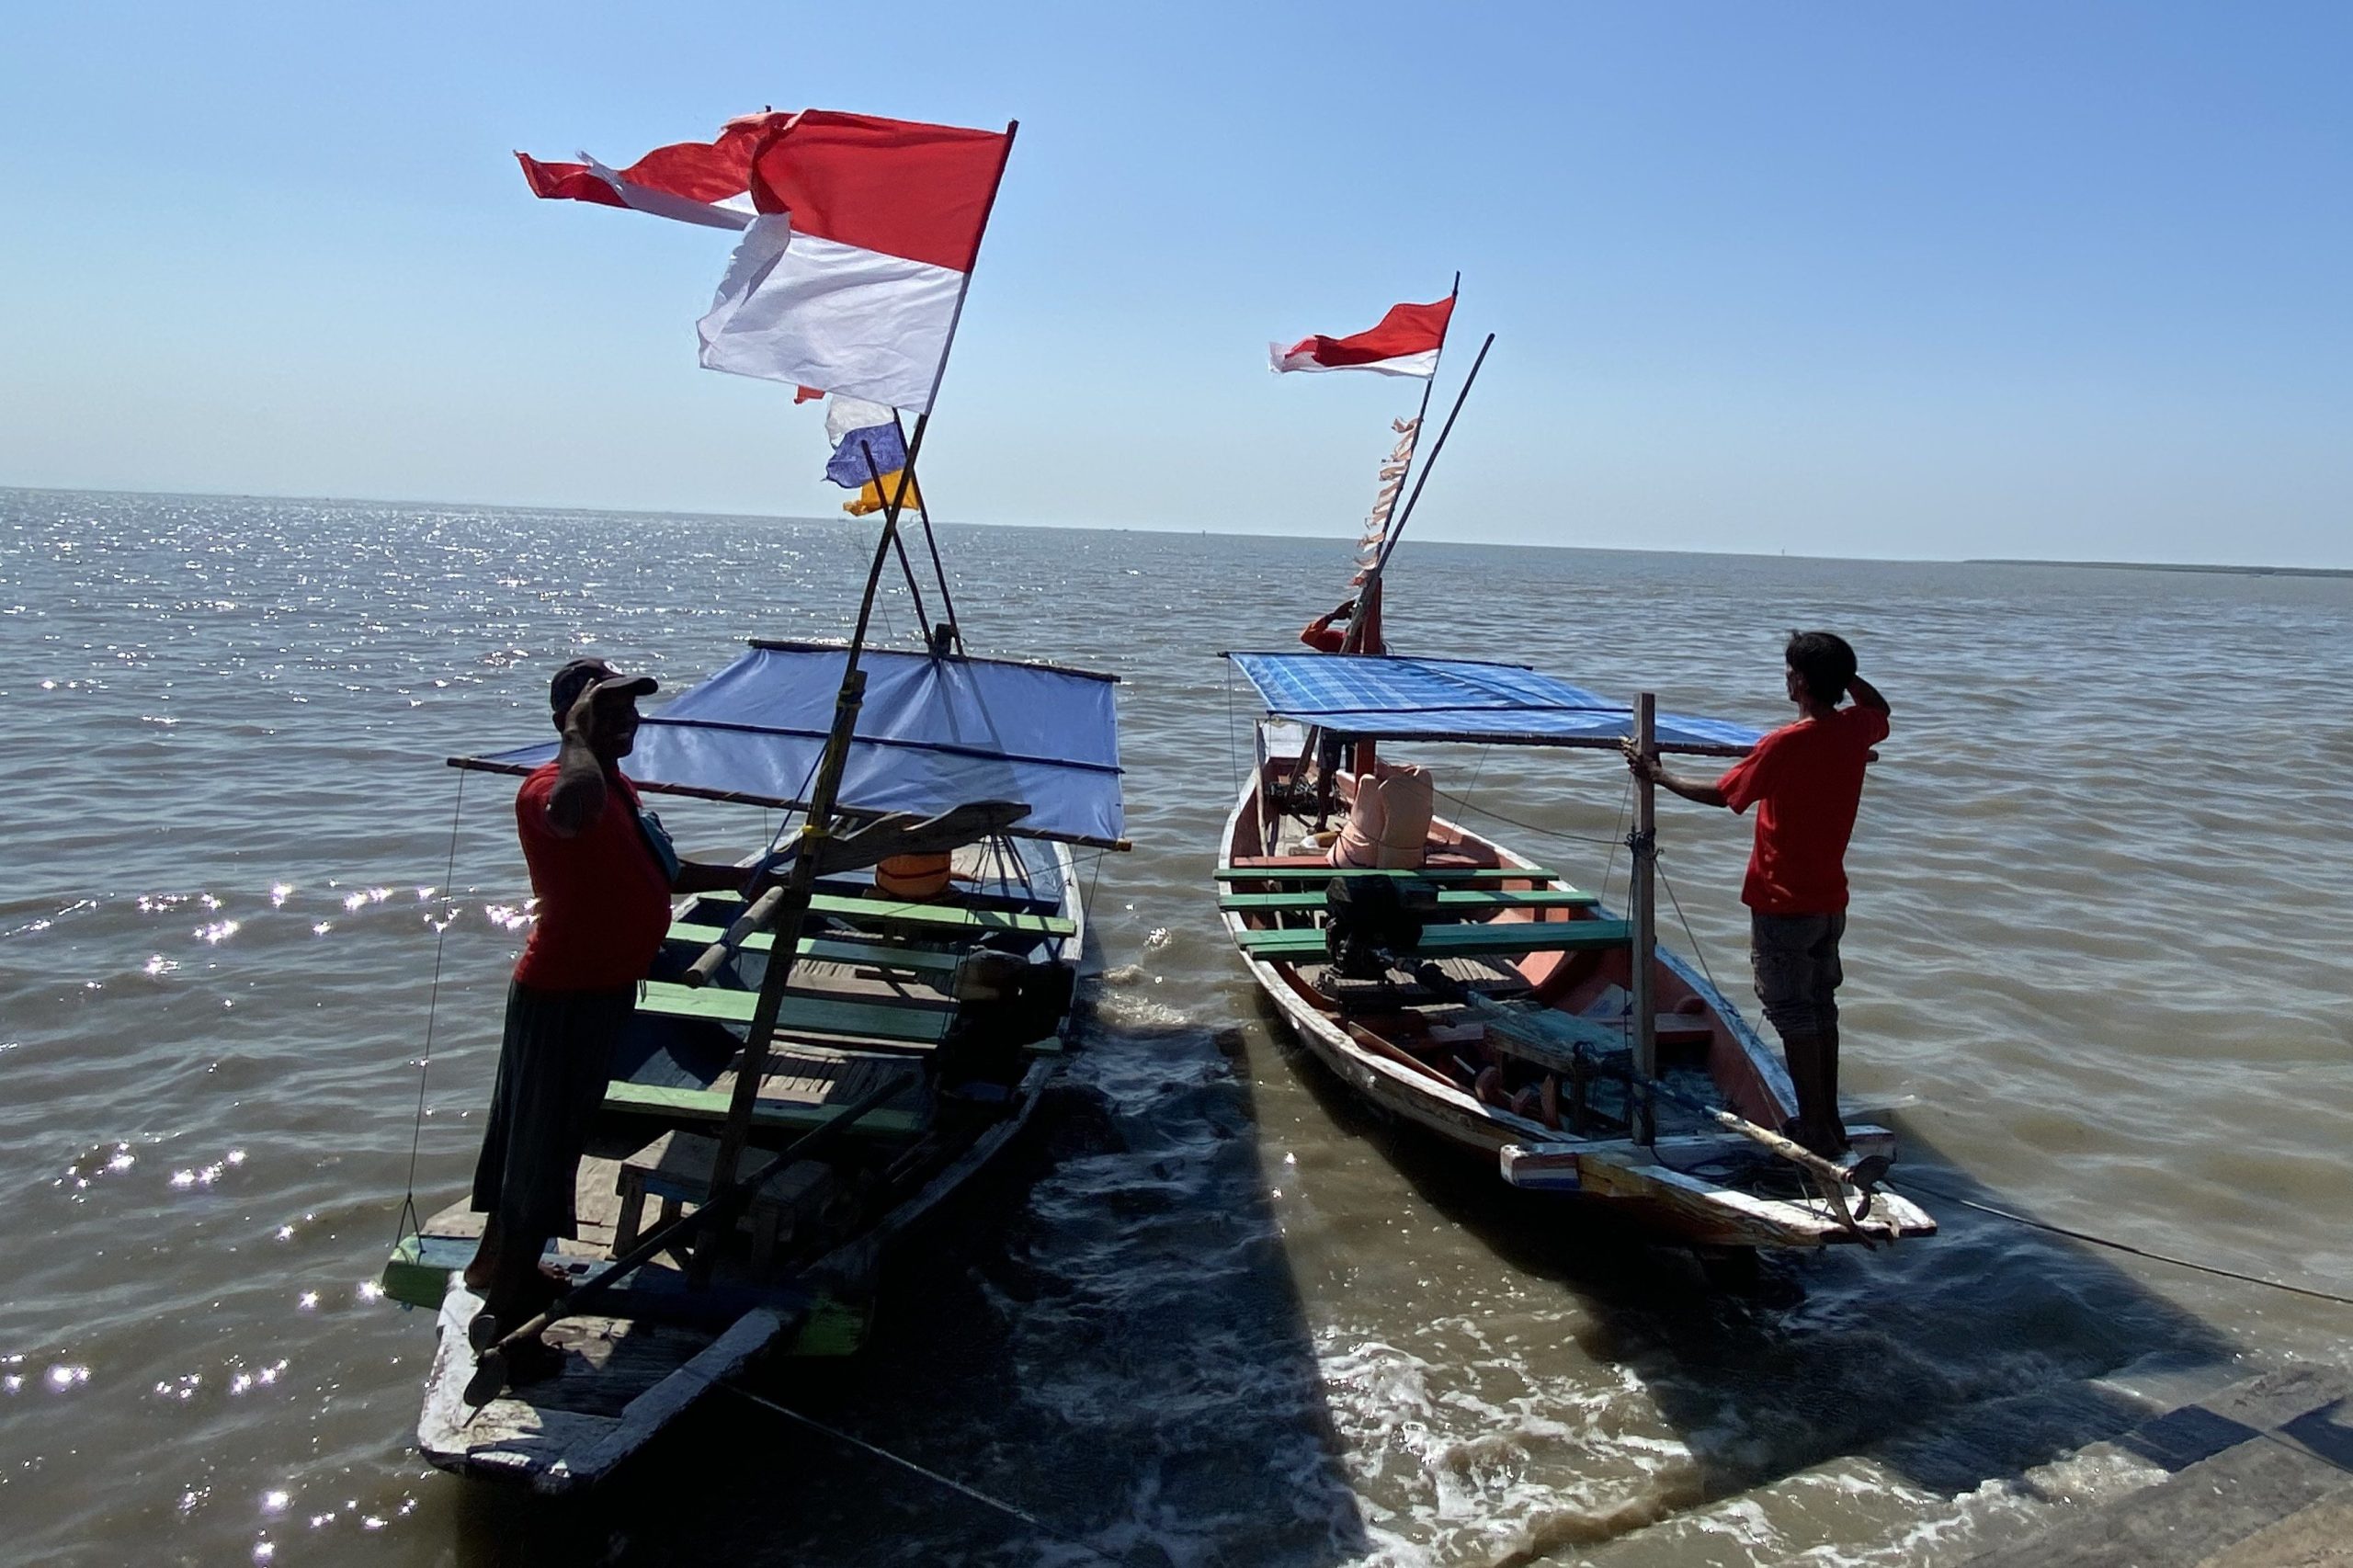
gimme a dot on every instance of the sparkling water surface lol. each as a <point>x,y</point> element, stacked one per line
<point>1214,1312</point>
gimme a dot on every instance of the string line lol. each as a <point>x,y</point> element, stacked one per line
<point>977,1495</point>
<point>408,1215</point>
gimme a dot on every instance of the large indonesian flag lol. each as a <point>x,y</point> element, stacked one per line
<point>859,234</point>
<point>851,278</point>
<point>1404,344</point>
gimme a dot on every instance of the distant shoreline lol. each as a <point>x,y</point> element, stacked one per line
<point>830,519</point>
<point>2168,566</point>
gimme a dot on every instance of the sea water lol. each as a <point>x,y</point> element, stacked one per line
<point>1215,1311</point>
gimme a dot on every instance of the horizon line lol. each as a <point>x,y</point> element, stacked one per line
<point>2224,568</point>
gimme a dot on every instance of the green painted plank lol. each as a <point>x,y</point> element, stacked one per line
<point>930,917</point>
<point>710,1105</point>
<point>916,1023</point>
<point>1518,936</point>
<point>1447,898</point>
<point>833,950</point>
<point>1420,874</point>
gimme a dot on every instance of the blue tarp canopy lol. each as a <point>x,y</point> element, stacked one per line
<point>932,734</point>
<point>1463,699</point>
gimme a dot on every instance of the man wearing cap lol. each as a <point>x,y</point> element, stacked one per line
<point>603,871</point>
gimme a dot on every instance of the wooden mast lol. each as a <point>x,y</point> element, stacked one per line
<point>792,910</point>
<point>1364,627</point>
<point>817,825</point>
<point>1641,901</point>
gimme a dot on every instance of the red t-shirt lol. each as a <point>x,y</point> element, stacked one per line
<point>604,902</point>
<point>1322,636</point>
<point>1805,779</point>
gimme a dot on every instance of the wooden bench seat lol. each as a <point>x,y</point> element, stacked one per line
<point>1452,902</point>
<point>931,919</point>
<point>832,950</point>
<point>913,1024</point>
<point>796,1117</point>
<point>1316,871</point>
<point>1491,937</point>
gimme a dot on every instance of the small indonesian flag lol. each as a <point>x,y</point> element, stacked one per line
<point>1404,344</point>
<point>858,237</point>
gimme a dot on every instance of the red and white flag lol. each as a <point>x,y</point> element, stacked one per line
<point>859,234</point>
<point>1404,344</point>
<point>851,278</point>
<point>695,182</point>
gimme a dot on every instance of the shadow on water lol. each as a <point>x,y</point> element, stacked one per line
<point>1969,1357</point>
<point>1105,1334</point>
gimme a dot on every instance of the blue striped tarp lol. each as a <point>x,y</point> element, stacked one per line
<point>1463,699</point>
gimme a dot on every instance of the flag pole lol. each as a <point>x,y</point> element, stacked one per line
<point>1364,627</point>
<point>817,821</point>
<point>923,421</point>
<point>1369,614</point>
<point>1398,531</point>
<point>938,573</point>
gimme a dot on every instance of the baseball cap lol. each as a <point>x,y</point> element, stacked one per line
<point>581,674</point>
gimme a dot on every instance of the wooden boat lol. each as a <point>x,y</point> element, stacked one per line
<point>1546,977</point>
<point>810,1074</point>
<point>873,1003</point>
<point>1511,1015</point>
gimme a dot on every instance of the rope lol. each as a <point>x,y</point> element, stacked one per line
<point>1523,826</point>
<point>1689,935</point>
<point>409,1220</point>
<point>1618,841</point>
<point>1915,1184</point>
<point>977,1495</point>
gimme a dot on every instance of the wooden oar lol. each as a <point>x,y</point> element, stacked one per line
<point>484,1333</point>
<point>902,833</point>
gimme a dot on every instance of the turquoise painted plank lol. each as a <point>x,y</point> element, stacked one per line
<point>833,950</point>
<point>710,1105</point>
<point>1448,899</point>
<point>1492,937</point>
<point>914,1022</point>
<point>930,917</point>
<point>1418,874</point>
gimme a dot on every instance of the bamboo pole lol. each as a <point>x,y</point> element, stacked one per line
<point>938,572</point>
<point>817,824</point>
<point>1642,907</point>
<point>1397,531</point>
<point>1364,627</point>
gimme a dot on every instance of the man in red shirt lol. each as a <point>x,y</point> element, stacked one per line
<point>1805,781</point>
<point>1322,635</point>
<point>603,871</point>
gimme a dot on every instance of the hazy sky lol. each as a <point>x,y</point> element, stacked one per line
<point>2047,279</point>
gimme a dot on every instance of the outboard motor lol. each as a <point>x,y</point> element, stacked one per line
<point>1003,1003</point>
<point>1372,922</point>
